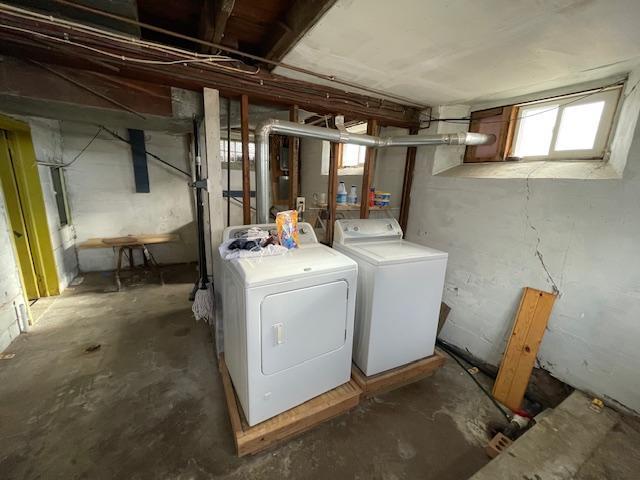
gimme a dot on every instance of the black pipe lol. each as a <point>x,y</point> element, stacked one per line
<point>203,280</point>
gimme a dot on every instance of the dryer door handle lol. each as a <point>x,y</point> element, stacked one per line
<point>278,329</point>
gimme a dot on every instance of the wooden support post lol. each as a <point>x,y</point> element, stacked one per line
<point>294,148</point>
<point>373,128</point>
<point>409,166</point>
<point>336,153</point>
<point>246,166</point>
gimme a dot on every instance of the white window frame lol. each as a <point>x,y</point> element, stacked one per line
<point>360,152</point>
<point>611,96</point>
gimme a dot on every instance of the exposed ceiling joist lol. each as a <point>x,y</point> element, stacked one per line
<point>215,14</point>
<point>33,38</point>
<point>302,15</point>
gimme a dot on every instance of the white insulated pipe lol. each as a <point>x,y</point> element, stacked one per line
<point>292,129</point>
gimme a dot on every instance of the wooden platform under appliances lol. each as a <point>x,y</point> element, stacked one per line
<point>397,377</point>
<point>250,440</point>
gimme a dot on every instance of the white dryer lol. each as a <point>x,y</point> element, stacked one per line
<point>399,293</point>
<point>288,324</point>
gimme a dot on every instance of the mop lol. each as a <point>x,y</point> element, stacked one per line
<point>202,294</point>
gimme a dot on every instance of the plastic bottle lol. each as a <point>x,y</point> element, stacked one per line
<point>372,196</point>
<point>352,198</point>
<point>342,194</point>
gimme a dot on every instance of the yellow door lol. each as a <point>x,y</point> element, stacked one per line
<point>26,210</point>
<point>16,218</point>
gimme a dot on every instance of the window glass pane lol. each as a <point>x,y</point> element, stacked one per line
<point>361,154</point>
<point>579,126</point>
<point>351,155</point>
<point>223,150</point>
<point>61,201</point>
<point>535,130</point>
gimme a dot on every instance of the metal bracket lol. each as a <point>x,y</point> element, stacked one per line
<point>202,183</point>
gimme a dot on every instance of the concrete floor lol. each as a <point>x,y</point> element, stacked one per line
<point>149,402</point>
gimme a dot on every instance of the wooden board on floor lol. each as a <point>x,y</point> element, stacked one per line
<point>250,440</point>
<point>520,355</point>
<point>397,377</point>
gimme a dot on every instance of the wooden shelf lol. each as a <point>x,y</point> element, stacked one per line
<point>350,207</point>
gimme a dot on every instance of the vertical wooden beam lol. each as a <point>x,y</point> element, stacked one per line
<point>373,128</point>
<point>246,166</point>
<point>409,166</point>
<point>336,152</point>
<point>294,148</point>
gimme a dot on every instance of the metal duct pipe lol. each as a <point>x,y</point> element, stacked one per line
<point>283,127</point>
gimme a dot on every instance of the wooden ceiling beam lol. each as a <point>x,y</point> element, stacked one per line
<point>299,19</point>
<point>230,79</point>
<point>215,14</point>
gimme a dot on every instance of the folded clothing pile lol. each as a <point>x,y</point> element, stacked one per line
<point>257,243</point>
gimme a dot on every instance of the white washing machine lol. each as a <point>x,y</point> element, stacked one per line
<point>288,324</point>
<point>399,293</point>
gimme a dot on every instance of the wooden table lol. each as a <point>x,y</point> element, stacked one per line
<point>131,242</point>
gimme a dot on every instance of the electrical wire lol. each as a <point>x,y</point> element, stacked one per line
<point>50,19</point>
<point>465,120</point>
<point>122,139</point>
<point>211,60</point>
<point>70,162</point>
<point>290,85</point>
<point>450,352</point>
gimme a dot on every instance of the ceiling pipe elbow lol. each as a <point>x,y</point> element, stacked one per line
<point>283,127</point>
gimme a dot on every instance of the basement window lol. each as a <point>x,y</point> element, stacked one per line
<point>569,127</point>
<point>352,160</point>
<point>352,156</point>
<point>236,151</point>
<point>61,198</point>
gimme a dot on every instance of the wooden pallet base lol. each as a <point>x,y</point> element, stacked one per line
<point>250,440</point>
<point>397,377</point>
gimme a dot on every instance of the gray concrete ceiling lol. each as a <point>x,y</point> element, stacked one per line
<point>469,51</point>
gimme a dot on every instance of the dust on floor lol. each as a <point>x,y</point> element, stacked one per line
<point>149,403</point>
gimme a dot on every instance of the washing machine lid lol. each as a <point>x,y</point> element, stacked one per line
<point>392,251</point>
<point>301,262</point>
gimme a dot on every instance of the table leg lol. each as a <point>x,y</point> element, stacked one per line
<point>118,267</point>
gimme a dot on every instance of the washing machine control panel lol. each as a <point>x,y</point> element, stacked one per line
<point>348,230</point>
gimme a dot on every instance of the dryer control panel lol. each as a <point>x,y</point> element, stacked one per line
<point>358,230</point>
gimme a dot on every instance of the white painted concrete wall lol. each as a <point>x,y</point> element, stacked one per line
<point>11,295</point>
<point>47,143</point>
<point>103,202</point>
<point>587,232</point>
